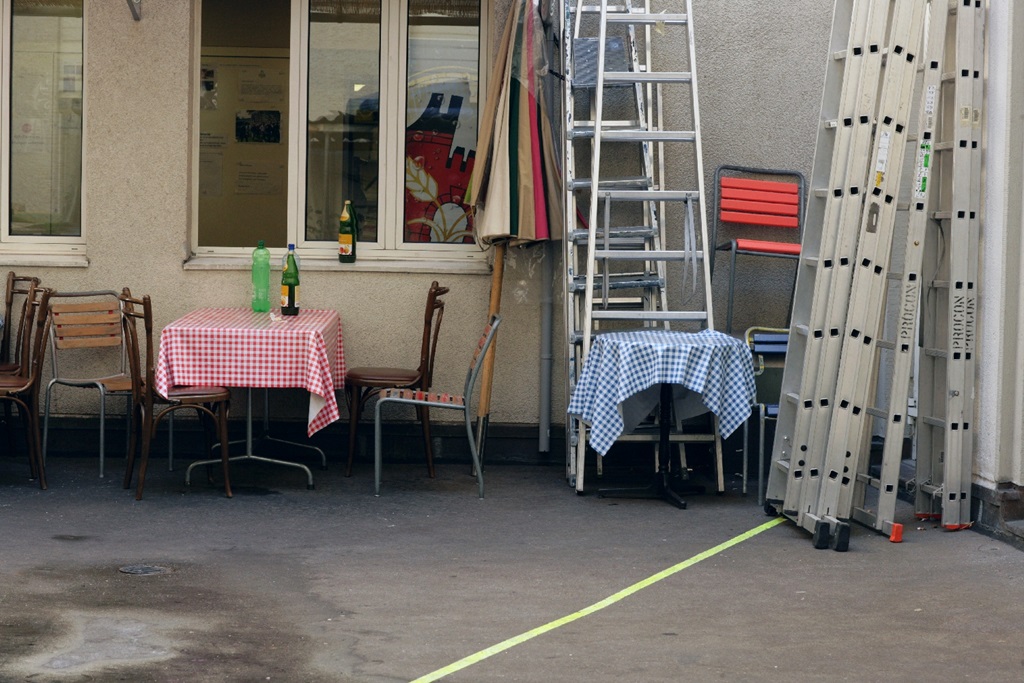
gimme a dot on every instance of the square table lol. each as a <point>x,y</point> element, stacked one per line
<point>236,347</point>
<point>640,367</point>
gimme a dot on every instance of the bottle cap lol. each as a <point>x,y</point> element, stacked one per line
<point>259,245</point>
<point>291,246</point>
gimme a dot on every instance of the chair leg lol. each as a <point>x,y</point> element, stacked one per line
<point>474,453</point>
<point>103,427</point>
<point>222,428</point>
<point>133,443</point>
<point>377,446</point>
<point>355,406</point>
<point>7,424</point>
<point>149,425</point>
<point>424,415</point>
<point>46,421</point>
<point>35,452</point>
<point>746,436</point>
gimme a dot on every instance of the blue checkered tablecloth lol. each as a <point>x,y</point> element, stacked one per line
<point>620,365</point>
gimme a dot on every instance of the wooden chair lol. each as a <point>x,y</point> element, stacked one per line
<point>756,198</point>
<point>362,382</point>
<point>85,327</point>
<point>149,406</point>
<point>428,399</point>
<point>22,387</point>
<point>15,308</point>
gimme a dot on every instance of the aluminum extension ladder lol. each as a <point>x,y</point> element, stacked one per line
<point>946,403</point>
<point>634,182</point>
<point>858,299</point>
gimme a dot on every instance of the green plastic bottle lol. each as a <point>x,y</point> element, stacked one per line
<point>290,283</point>
<point>261,278</point>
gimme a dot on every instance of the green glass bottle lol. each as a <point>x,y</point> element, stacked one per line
<point>348,233</point>
<point>290,283</point>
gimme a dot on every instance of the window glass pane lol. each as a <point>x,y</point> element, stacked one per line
<point>344,123</point>
<point>243,123</point>
<point>46,119</point>
<point>441,113</point>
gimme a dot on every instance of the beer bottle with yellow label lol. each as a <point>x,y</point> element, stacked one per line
<point>290,283</point>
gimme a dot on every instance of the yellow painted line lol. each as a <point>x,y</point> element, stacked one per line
<point>610,600</point>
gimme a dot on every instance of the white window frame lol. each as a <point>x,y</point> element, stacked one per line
<point>33,249</point>
<point>389,252</point>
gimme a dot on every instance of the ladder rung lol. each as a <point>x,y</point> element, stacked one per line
<point>645,18</point>
<point>652,135</point>
<point>583,130</point>
<point>935,353</point>
<point>621,281</point>
<point>596,9</point>
<point>877,412</point>
<point>933,421</point>
<point>649,315</point>
<point>628,242</point>
<point>634,232</point>
<point>650,195</point>
<point>614,184</point>
<point>647,255</point>
<point>630,77</point>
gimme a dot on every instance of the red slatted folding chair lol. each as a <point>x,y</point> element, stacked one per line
<point>756,198</point>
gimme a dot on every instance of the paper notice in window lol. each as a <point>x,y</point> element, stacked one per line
<point>211,173</point>
<point>258,85</point>
<point>259,177</point>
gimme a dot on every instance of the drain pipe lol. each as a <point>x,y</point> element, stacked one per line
<point>546,319</point>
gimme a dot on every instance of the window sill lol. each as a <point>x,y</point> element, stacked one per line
<point>44,260</point>
<point>465,266</point>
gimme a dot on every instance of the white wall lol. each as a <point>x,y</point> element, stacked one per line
<point>998,456</point>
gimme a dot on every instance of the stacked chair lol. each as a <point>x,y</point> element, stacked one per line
<point>20,387</point>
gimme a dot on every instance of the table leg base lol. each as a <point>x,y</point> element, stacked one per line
<point>260,458</point>
<point>660,487</point>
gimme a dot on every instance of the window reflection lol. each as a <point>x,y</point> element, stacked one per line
<point>344,120</point>
<point>46,119</point>
<point>441,119</point>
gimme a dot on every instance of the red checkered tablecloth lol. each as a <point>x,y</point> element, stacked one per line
<point>235,347</point>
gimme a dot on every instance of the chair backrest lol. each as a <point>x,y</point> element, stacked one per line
<point>16,305</point>
<point>86,320</point>
<point>141,367</point>
<point>34,333</point>
<point>432,317</point>
<point>479,355</point>
<point>768,346</point>
<point>759,197</point>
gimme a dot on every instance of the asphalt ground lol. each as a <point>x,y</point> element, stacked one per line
<point>429,582</point>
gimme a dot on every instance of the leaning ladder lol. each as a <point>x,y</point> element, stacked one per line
<point>946,403</point>
<point>836,319</point>
<point>619,273</point>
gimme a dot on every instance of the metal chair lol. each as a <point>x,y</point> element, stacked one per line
<point>429,399</point>
<point>86,331</point>
<point>361,382</point>
<point>21,388</point>
<point>768,345</point>
<point>755,198</point>
<point>149,406</point>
